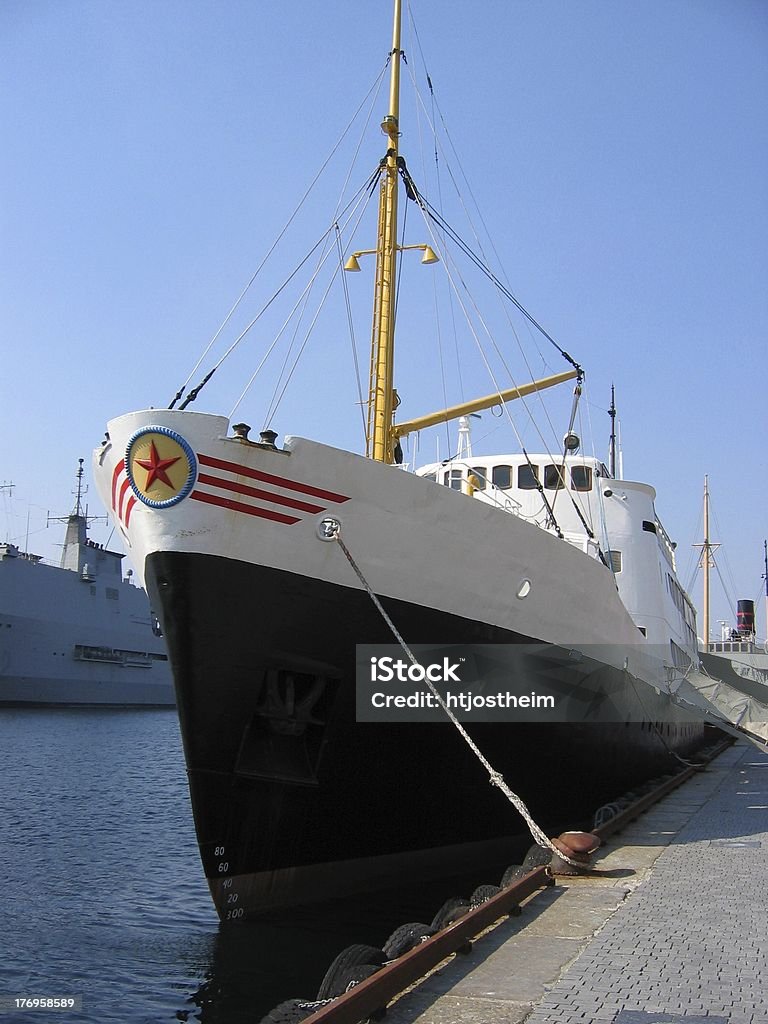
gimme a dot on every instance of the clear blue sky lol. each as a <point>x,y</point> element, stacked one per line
<point>617,150</point>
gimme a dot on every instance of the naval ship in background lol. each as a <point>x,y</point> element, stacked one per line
<point>78,634</point>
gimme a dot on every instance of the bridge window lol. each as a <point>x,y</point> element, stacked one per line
<point>481,479</point>
<point>502,477</point>
<point>553,477</point>
<point>452,479</point>
<point>581,478</point>
<point>527,477</point>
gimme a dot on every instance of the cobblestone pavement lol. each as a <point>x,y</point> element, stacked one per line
<point>692,939</point>
<point>676,932</point>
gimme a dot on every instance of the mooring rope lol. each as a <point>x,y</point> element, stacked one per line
<point>495,778</point>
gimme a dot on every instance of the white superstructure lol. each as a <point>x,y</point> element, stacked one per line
<point>613,521</point>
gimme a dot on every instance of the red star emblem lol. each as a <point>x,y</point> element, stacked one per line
<point>157,468</point>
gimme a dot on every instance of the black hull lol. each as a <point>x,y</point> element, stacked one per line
<point>291,795</point>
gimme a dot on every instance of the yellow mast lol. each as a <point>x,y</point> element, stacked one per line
<point>382,434</point>
<point>380,443</point>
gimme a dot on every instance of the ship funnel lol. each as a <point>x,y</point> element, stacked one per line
<point>745,617</point>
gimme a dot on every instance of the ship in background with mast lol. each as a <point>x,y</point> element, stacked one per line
<point>739,658</point>
<point>78,634</point>
<point>262,559</point>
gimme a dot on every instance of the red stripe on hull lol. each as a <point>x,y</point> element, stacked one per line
<point>255,492</point>
<point>115,474</point>
<point>239,506</point>
<point>123,488</point>
<point>268,478</point>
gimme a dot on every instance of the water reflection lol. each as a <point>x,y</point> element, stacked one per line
<point>104,894</point>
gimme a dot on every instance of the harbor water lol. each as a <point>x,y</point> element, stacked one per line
<point>103,895</point>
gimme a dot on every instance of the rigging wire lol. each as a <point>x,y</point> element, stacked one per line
<point>351,326</point>
<point>484,263</point>
<point>691,569</point>
<point>432,121</point>
<point>371,184</point>
<point>561,485</point>
<point>300,308</point>
<point>196,390</point>
<point>561,469</point>
<point>505,411</point>
<point>437,218</point>
<point>278,399</point>
<point>485,269</point>
<point>372,92</point>
<point>605,538</point>
<point>581,496</point>
<point>449,267</point>
<point>545,363</point>
<point>507,293</point>
<point>726,560</point>
<point>439,187</point>
<point>361,200</point>
<point>728,596</point>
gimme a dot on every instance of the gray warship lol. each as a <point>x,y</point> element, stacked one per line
<point>78,633</point>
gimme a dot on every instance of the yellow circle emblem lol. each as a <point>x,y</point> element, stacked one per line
<point>161,466</point>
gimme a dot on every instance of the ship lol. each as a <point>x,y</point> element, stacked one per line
<point>270,561</point>
<point>78,633</point>
<point>739,658</point>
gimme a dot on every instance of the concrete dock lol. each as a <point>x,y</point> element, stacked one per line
<point>675,929</point>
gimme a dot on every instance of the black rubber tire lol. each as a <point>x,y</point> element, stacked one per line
<point>512,874</point>
<point>292,1011</point>
<point>536,856</point>
<point>451,911</point>
<point>351,976</point>
<point>404,938</point>
<point>483,893</point>
<point>352,956</point>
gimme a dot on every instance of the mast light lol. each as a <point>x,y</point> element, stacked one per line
<point>430,256</point>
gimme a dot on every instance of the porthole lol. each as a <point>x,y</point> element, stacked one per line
<point>524,589</point>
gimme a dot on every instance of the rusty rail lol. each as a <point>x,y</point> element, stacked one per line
<point>369,998</point>
<point>634,810</point>
<point>372,995</point>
